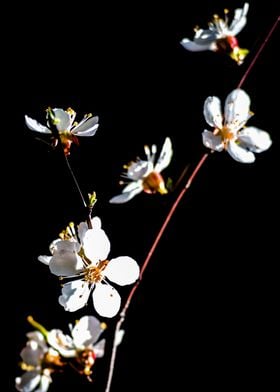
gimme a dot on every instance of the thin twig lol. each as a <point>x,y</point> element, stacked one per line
<point>244,77</point>
<point>144,266</point>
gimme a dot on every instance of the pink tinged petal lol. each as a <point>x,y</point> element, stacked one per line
<point>254,139</point>
<point>126,196</point>
<point>28,381</point>
<point>86,331</point>
<point>87,127</point>
<point>64,120</point>
<point>239,20</point>
<point>44,383</point>
<point>65,261</point>
<point>99,348</point>
<point>237,109</point>
<point>32,353</point>
<point>240,154</point>
<point>122,270</point>
<point>35,125</point>
<point>165,156</point>
<point>96,245</point>
<point>74,295</point>
<point>106,300</point>
<point>212,112</point>
<point>214,142</point>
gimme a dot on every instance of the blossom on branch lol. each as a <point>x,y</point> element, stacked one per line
<point>230,133</point>
<point>221,36</point>
<point>82,257</point>
<point>144,175</point>
<point>83,345</point>
<point>39,361</point>
<point>65,125</point>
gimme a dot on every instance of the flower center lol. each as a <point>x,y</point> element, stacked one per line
<point>94,274</point>
<point>154,183</point>
<point>226,134</point>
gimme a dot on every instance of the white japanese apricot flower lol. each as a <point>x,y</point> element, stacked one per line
<point>230,132</point>
<point>221,36</point>
<point>68,130</point>
<point>83,344</point>
<point>83,257</point>
<point>39,361</point>
<point>144,175</point>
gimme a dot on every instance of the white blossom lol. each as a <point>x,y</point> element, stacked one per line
<point>38,360</point>
<point>83,258</point>
<point>144,175</point>
<point>221,35</point>
<point>66,126</point>
<point>230,132</point>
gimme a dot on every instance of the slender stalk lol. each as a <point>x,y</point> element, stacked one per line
<point>261,48</point>
<point>167,220</point>
<point>145,264</point>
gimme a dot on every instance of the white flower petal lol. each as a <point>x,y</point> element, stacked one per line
<point>35,125</point>
<point>237,109</point>
<point>28,381</point>
<point>165,156</point>
<point>87,127</point>
<point>32,353</point>
<point>64,120</point>
<point>96,245</point>
<point>65,261</point>
<point>106,300</point>
<point>37,337</point>
<point>99,348</point>
<point>86,331</point>
<point>83,227</point>
<point>119,337</point>
<point>254,139</point>
<point>44,383</point>
<point>214,142</point>
<point>195,47</point>
<point>240,154</point>
<point>45,259</point>
<point>61,343</point>
<point>74,295</point>
<point>138,170</point>
<point>122,270</point>
<point>239,20</point>
<point>212,112</point>
<point>126,196</point>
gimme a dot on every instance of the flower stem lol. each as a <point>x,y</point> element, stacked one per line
<point>166,221</point>
<point>144,266</point>
<point>38,326</point>
<point>244,77</point>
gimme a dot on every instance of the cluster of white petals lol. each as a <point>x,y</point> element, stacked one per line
<point>34,356</point>
<point>230,132</point>
<point>84,336</point>
<point>220,35</point>
<point>144,175</point>
<point>83,258</point>
<point>67,128</point>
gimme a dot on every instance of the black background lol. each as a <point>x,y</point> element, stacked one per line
<point>204,315</point>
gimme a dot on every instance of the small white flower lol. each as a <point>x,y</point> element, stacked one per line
<point>84,258</point>
<point>67,129</point>
<point>230,132</point>
<point>38,361</point>
<point>83,346</point>
<point>144,175</point>
<point>221,36</point>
